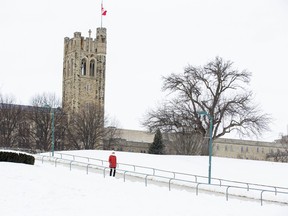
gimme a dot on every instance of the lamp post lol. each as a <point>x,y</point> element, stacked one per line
<point>52,127</point>
<point>210,142</point>
<point>52,114</point>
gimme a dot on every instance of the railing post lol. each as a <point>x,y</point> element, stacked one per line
<point>261,197</point>
<point>104,170</point>
<point>197,188</point>
<point>124,175</point>
<point>146,180</point>
<point>170,183</point>
<point>87,169</point>
<point>56,161</point>
<point>227,193</point>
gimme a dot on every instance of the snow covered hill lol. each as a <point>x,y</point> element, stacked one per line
<point>44,189</point>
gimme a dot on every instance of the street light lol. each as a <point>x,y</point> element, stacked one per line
<point>52,114</point>
<point>52,127</point>
<point>210,142</point>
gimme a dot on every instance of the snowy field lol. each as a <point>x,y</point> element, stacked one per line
<point>44,189</point>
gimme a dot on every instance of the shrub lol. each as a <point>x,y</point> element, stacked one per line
<point>16,157</point>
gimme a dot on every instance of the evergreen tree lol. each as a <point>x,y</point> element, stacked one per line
<point>157,147</point>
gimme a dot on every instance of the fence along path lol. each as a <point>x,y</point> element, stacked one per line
<point>197,182</point>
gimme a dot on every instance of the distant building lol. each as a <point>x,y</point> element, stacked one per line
<point>139,141</point>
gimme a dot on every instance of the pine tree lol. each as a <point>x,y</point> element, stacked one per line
<point>157,147</point>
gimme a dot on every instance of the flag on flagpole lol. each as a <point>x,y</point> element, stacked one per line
<point>104,12</point>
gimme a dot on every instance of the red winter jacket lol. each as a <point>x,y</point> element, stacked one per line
<point>112,161</point>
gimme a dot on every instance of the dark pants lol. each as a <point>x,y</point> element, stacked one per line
<point>112,170</point>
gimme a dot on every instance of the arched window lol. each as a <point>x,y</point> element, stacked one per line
<point>92,68</point>
<point>83,67</point>
<point>71,67</point>
<point>67,69</point>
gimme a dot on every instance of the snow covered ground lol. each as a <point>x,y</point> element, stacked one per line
<point>44,189</point>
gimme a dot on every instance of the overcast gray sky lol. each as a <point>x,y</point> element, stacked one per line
<point>147,40</point>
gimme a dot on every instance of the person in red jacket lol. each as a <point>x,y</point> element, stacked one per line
<point>112,163</point>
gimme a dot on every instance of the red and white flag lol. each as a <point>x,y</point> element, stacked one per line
<point>104,12</point>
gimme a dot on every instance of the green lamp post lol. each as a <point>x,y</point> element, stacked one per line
<point>52,114</point>
<point>210,142</point>
<point>52,127</point>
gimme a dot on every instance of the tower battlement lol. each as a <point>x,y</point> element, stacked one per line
<point>88,44</point>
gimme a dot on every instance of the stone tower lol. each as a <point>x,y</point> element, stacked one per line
<point>84,67</point>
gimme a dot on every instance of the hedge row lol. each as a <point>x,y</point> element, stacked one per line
<point>16,157</point>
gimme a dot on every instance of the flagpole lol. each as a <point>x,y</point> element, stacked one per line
<point>101,12</point>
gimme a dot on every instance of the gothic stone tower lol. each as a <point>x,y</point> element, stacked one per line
<point>84,67</point>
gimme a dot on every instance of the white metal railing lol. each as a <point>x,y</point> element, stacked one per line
<point>222,185</point>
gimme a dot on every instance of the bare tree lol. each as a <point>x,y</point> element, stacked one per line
<point>217,89</point>
<point>46,111</point>
<point>187,141</point>
<point>282,154</point>
<point>112,138</point>
<point>46,100</point>
<point>24,140</point>
<point>86,128</point>
<point>11,116</point>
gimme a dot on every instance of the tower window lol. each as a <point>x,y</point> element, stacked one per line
<point>68,69</point>
<point>83,67</point>
<point>92,68</point>
<point>71,68</point>
<point>88,87</point>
